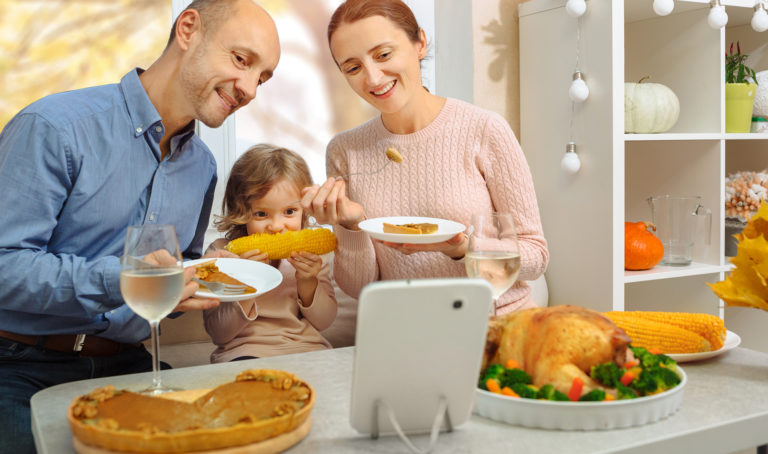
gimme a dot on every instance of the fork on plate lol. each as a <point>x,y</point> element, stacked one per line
<point>221,288</point>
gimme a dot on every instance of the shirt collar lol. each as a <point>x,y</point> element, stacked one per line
<point>143,114</point>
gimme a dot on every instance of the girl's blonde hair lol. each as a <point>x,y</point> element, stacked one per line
<point>252,176</point>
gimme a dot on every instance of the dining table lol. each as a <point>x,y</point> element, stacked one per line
<point>724,409</point>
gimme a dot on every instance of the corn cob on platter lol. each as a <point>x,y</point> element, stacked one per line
<point>281,245</point>
<point>671,332</point>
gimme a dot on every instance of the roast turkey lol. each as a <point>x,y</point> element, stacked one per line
<point>556,344</point>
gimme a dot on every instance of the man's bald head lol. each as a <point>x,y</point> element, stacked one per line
<point>212,14</point>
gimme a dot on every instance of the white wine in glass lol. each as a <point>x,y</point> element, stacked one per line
<point>493,253</point>
<point>152,281</point>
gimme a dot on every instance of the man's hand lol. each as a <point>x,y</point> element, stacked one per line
<point>188,301</point>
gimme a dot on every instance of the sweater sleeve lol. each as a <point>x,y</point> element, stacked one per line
<point>510,185</point>
<point>224,322</point>
<point>322,312</point>
<point>354,262</point>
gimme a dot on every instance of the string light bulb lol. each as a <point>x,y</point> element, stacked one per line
<point>570,162</point>
<point>575,8</point>
<point>760,17</point>
<point>663,7</point>
<point>579,90</point>
<point>717,17</point>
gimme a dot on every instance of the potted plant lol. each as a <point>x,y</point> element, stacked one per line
<point>740,90</point>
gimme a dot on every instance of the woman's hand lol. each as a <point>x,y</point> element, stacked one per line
<point>329,204</point>
<point>454,248</point>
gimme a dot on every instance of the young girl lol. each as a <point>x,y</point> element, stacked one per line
<point>262,196</point>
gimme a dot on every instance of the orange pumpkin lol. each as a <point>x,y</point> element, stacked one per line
<point>642,249</point>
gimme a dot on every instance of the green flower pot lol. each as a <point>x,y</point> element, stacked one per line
<point>739,101</point>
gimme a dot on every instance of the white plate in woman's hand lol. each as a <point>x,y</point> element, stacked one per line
<point>445,229</point>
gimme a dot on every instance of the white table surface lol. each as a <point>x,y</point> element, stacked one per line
<point>724,409</point>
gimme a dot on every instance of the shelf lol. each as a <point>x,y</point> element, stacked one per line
<point>674,136</point>
<point>668,272</point>
<point>747,136</point>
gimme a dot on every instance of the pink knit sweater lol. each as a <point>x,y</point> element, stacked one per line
<point>466,161</point>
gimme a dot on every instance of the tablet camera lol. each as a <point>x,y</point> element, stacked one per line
<point>457,304</point>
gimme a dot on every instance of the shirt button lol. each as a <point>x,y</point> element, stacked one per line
<point>152,217</point>
<point>139,129</point>
<point>159,128</point>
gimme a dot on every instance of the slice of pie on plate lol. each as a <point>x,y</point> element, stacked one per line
<point>208,271</point>
<point>258,408</point>
<point>423,228</point>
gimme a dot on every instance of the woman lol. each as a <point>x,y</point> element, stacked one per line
<point>458,160</point>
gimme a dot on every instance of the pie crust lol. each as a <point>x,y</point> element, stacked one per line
<point>258,405</point>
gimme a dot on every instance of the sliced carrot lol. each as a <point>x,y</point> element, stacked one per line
<point>654,351</point>
<point>512,364</point>
<point>627,378</point>
<point>507,391</point>
<point>575,392</point>
<point>493,386</point>
<point>609,397</point>
<point>630,364</point>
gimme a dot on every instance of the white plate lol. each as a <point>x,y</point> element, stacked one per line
<point>732,340</point>
<point>548,414</point>
<point>445,229</point>
<point>258,275</point>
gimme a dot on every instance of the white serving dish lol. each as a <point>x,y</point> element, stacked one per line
<point>546,414</point>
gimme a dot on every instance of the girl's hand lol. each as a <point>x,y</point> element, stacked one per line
<point>454,248</point>
<point>329,204</point>
<point>307,265</point>
<point>256,256</point>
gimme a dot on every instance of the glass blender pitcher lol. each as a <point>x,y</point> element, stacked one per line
<point>678,221</point>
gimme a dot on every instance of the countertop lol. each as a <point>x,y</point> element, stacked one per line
<point>724,409</point>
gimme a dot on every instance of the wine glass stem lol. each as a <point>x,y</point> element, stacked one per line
<point>153,326</point>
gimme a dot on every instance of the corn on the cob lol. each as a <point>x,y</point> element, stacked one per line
<point>280,245</point>
<point>664,337</point>
<point>708,326</point>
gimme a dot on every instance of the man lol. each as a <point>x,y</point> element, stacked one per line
<point>77,168</point>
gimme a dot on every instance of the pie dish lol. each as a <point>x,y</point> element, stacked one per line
<point>259,405</point>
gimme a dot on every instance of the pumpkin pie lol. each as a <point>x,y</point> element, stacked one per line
<point>208,271</point>
<point>423,228</point>
<point>258,406</point>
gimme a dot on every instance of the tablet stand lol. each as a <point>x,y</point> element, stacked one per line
<point>442,415</point>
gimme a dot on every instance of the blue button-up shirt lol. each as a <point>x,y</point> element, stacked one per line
<point>76,169</point>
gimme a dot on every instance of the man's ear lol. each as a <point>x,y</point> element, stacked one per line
<point>187,26</point>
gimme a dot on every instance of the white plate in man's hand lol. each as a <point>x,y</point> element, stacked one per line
<point>258,275</point>
<point>445,229</point>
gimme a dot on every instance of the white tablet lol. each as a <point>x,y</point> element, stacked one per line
<point>418,341</point>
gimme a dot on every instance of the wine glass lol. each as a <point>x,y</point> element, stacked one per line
<point>152,281</point>
<point>493,253</point>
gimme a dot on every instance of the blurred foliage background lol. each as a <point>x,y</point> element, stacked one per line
<point>50,46</point>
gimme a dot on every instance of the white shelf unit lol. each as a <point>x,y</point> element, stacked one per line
<point>583,215</point>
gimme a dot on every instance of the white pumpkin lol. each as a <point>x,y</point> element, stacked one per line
<point>649,108</point>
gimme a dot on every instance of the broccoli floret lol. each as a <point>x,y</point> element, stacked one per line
<point>514,376</point>
<point>646,383</point>
<point>608,374</point>
<point>596,395</point>
<point>549,392</point>
<point>493,372</point>
<point>667,378</point>
<point>526,391</point>
<point>625,392</point>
